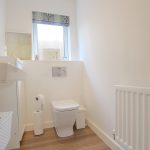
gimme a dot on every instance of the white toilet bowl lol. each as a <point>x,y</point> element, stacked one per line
<point>64,116</point>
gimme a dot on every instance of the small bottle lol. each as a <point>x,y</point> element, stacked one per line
<point>5,50</point>
<point>36,57</point>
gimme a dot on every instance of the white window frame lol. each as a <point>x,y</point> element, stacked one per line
<point>35,50</point>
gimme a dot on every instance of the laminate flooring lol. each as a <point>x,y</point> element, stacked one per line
<point>83,139</point>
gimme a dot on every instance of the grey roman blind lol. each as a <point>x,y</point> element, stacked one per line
<point>53,19</point>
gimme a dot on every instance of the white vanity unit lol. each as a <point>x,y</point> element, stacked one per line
<point>5,129</point>
<point>12,97</point>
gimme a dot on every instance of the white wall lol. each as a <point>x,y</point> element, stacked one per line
<point>40,81</point>
<point>2,26</point>
<point>19,16</point>
<point>114,41</point>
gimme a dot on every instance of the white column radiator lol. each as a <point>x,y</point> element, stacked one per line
<point>133,117</point>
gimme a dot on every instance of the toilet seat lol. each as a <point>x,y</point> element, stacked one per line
<point>66,105</point>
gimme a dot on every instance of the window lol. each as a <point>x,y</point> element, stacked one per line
<point>50,36</point>
<point>51,41</point>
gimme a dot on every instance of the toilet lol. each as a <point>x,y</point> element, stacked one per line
<point>64,116</point>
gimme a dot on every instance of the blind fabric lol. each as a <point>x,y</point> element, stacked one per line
<point>53,19</point>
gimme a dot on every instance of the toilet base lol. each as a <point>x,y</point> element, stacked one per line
<point>64,132</point>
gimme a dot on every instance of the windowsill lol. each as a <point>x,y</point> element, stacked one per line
<point>54,60</point>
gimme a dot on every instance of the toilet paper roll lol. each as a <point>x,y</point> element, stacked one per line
<point>38,122</point>
<point>39,102</point>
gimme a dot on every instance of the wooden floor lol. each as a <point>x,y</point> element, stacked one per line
<point>83,139</point>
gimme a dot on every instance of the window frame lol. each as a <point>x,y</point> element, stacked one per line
<point>35,50</point>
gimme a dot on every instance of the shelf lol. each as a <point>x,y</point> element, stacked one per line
<point>10,72</point>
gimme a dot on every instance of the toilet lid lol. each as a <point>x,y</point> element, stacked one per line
<point>65,105</point>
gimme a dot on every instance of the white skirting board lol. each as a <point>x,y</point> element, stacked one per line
<point>105,137</point>
<point>30,127</point>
